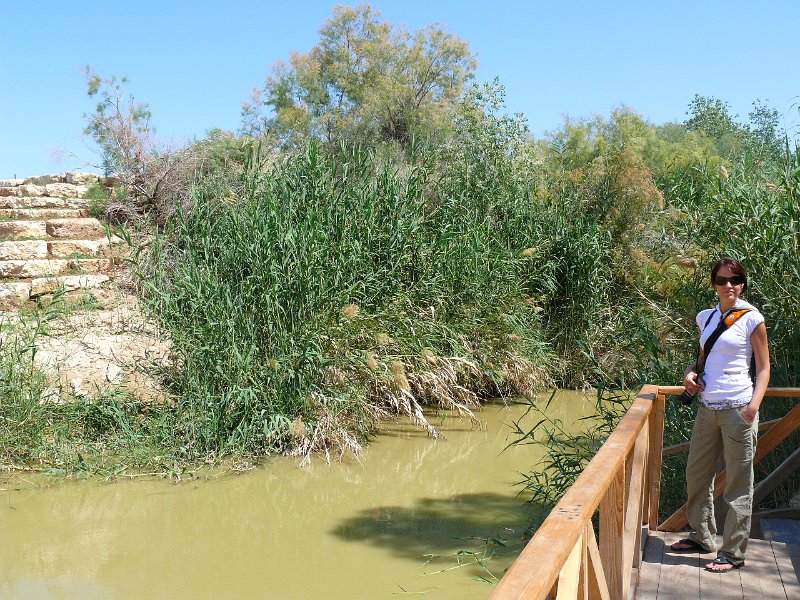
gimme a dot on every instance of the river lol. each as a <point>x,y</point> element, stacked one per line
<point>407,518</point>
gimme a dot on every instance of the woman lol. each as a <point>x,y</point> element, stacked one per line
<point>727,418</point>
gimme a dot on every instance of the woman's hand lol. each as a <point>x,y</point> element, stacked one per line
<point>692,383</point>
<point>749,413</point>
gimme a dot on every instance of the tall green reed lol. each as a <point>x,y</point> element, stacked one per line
<point>306,300</point>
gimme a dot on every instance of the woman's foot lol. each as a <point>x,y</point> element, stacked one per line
<point>687,545</point>
<point>722,565</point>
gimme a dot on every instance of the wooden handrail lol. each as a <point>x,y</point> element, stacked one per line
<point>564,559</point>
<point>773,392</point>
<point>548,559</point>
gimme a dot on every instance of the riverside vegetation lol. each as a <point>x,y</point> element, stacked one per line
<point>335,263</point>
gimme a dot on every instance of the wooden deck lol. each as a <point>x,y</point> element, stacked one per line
<point>770,572</point>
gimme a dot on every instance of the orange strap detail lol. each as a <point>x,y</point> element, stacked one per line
<point>735,315</point>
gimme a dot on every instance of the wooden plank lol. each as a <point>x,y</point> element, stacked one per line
<point>612,509</point>
<point>788,567</point>
<point>786,392</point>
<point>583,584</point>
<point>598,587</point>
<point>569,576</point>
<point>767,485</point>
<point>650,569</point>
<point>772,439</point>
<point>720,586</point>
<point>632,527</point>
<point>640,532</point>
<point>788,424</point>
<point>760,576</point>
<point>680,572</point>
<point>654,459</point>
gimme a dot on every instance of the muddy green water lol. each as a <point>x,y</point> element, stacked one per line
<point>388,525</point>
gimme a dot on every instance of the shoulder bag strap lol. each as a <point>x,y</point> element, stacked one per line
<point>725,321</point>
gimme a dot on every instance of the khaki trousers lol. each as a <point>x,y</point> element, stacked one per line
<point>721,432</point>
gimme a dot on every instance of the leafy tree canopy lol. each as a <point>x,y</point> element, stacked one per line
<point>365,81</point>
<point>761,141</point>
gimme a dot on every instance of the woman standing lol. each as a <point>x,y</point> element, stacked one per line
<point>727,418</point>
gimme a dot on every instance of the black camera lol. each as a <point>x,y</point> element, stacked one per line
<point>686,398</point>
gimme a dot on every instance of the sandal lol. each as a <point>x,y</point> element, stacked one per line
<point>687,545</point>
<point>722,560</point>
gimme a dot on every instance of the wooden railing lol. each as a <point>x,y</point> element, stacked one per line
<point>564,560</point>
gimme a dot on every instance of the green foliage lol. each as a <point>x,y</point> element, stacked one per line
<point>276,292</point>
<point>22,387</point>
<point>400,219</point>
<point>488,152</point>
<point>759,143</point>
<point>365,81</point>
<point>97,199</point>
<point>759,224</point>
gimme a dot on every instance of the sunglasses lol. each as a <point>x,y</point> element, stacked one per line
<point>735,280</point>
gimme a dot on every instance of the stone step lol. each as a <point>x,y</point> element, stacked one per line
<point>83,228</point>
<point>42,249</point>
<point>26,269</point>
<point>40,214</point>
<point>73,177</point>
<point>37,201</point>
<point>14,294</point>
<point>54,190</point>
<point>36,230</point>
<point>68,282</point>
<point>23,250</point>
<point>67,248</point>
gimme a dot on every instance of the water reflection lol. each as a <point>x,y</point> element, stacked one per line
<point>442,527</point>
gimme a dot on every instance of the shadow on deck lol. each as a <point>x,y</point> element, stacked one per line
<point>770,572</point>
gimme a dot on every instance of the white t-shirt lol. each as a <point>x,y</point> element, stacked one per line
<point>727,376</point>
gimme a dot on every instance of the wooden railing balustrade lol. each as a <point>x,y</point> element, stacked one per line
<point>565,560</point>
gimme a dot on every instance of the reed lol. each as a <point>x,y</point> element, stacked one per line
<point>337,290</point>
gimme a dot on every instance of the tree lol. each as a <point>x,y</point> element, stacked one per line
<point>153,178</point>
<point>119,126</point>
<point>758,143</point>
<point>767,138</point>
<point>711,116</point>
<point>365,81</point>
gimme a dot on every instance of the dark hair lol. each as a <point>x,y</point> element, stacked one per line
<point>734,265</point>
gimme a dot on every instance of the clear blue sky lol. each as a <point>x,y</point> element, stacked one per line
<point>195,62</point>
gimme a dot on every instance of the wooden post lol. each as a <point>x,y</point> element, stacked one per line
<point>598,587</point>
<point>632,527</point>
<point>569,577</point>
<point>583,586</point>
<point>612,509</point>
<point>654,460</point>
